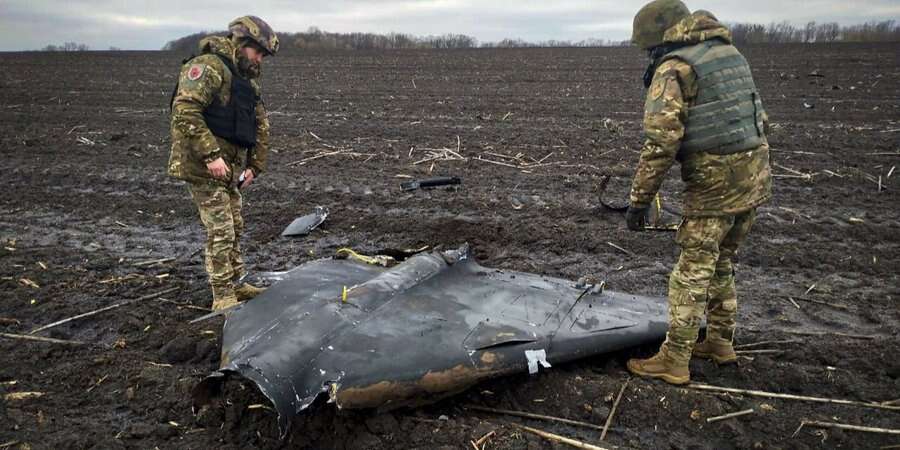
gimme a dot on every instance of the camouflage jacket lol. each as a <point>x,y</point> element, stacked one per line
<point>203,80</point>
<point>714,184</point>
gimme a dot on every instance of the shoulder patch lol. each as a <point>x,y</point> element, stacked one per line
<point>195,72</point>
<point>658,87</point>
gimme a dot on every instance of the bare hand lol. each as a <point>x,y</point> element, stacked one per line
<point>248,178</point>
<point>218,168</point>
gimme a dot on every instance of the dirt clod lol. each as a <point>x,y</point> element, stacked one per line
<point>179,350</point>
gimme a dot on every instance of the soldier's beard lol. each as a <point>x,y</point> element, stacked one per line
<point>248,68</point>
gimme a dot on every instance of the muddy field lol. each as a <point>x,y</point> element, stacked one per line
<point>87,204</point>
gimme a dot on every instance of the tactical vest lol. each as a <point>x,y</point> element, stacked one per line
<point>236,121</point>
<point>727,115</point>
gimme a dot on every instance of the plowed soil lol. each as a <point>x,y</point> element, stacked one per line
<point>86,204</point>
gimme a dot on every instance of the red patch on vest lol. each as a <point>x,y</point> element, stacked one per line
<point>195,72</point>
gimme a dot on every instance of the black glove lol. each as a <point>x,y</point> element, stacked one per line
<point>636,217</point>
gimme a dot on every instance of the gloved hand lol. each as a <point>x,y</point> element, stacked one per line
<point>636,217</point>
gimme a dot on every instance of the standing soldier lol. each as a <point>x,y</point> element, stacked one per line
<point>703,110</point>
<point>220,140</point>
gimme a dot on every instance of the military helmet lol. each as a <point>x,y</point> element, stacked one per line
<point>652,21</point>
<point>705,13</point>
<point>257,30</point>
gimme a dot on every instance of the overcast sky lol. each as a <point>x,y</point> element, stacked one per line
<point>148,25</point>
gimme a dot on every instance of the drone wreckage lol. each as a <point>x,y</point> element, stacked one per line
<point>370,336</point>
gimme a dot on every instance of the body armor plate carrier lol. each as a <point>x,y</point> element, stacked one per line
<point>727,115</point>
<point>236,121</point>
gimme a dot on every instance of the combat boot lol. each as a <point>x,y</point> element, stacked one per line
<point>661,366</point>
<point>720,352</point>
<point>247,291</point>
<point>224,298</point>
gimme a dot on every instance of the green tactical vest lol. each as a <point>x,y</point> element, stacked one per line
<point>727,115</point>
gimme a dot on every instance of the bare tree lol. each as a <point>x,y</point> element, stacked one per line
<point>809,33</point>
<point>779,33</point>
<point>828,32</point>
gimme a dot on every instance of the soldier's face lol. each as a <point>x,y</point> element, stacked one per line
<point>253,54</point>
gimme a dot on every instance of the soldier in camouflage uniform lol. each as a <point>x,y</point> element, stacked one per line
<point>220,140</point>
<point>704,111</point>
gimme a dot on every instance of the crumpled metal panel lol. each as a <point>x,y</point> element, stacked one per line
<point>429,327</point>
<point>302,226</point>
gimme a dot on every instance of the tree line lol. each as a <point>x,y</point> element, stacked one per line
<point>66,47</point>
<point>73,47</point>
<point>314,38</point>
<point>785,32</point>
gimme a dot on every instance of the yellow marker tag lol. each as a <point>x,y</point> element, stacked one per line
<point>344,295</point>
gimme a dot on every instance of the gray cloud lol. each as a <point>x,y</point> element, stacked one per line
<point>143,24</point>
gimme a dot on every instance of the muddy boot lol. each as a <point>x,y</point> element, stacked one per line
<point>720,352</point>
<point>661,366</point>
<point>224,298</point>
<point>247,291</point>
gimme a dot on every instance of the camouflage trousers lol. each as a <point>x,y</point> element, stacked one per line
<point>703,281</point>
<point>220,212</point>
